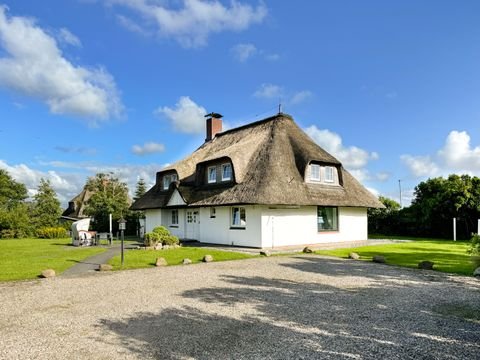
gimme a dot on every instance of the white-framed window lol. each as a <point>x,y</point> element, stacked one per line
<point>327,218</point>
<point>226,172</point>
<point>213,212</point>
<point>315,172</point>
<point>239,217</point>
<point>174,217</point>
<point>212,174</point>
<point>329,175</point>
<point>168,179</point>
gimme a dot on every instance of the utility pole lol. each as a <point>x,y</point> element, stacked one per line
<point>400,189</point>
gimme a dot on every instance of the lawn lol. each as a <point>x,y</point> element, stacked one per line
<point>448,256</point>
<point>26,258</point>
<point>135,259</point>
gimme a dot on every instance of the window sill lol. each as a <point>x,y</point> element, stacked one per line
<point>328,231</point>
<point>237,228</point>
<point>173,226</point>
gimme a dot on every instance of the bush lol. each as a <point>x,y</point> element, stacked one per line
<point>170,240</point>
<point>161,230</point>
<point>152,239</point>
<point>7,234</point>
<point>474,245</point>
<point>51,232</point>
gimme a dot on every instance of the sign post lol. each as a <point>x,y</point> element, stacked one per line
<point>121,226</point>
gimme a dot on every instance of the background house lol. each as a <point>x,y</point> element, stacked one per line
<point>265,184</point>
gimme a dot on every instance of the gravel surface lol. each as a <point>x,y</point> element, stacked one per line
<point>301,307</point>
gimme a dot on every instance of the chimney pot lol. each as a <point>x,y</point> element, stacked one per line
<point>214,125</point>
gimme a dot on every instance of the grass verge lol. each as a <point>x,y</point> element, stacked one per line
<point>26,258</point>
<point>448,256</point>
<point>136,259</point>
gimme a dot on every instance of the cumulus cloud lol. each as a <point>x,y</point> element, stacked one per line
<point>34,66</point>
<point>186,116</point>
<point>148,148</point>
<point>456,156</point>
<point>195,20</point>
<point>352,157</point>
<point>243,52</point>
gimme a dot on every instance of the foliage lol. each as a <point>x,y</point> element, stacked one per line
<point>26,258</point>
<point>152,239</point>
<point>161,230</point>
<point>166,238</point>
<point>11,192</point>
<point>474,248</point>
<point>135,259</point>
<point>46,208</point>
<point>383,220</point>
<point>15,221</point>
<point>448,256</point>
<point>51,232</point>
<point>109,196</point>
<point>140,190</point>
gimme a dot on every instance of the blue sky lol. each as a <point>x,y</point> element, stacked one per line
<point>391,88</point>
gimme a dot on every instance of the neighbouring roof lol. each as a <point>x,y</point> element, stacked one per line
<point>269,159</point>
<point>76,206</point>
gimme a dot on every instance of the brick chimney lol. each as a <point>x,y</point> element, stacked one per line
<point>214,125</point>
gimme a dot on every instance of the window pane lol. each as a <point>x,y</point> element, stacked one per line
<point>227,172</point>
<point>327,218</point>
<point>239,217</point>
<point>212,174</point>
<point>315,172</point>
<point>329,174</point>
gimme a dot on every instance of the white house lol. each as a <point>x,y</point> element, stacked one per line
<point>265,184</point>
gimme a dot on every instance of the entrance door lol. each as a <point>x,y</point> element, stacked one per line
<point>192,227</point>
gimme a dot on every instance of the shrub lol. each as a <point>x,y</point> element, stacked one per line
<point>152,239</point>
<point>474,245</point>
<point>51,232</point>
<point>164,236</point>
<point>170,240</point>
<point>7,234</point>
<point>161,230</point>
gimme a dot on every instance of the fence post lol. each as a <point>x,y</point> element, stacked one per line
<point>454,229</point>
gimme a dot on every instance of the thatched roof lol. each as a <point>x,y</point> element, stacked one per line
<point>76,206</point>
<point>269,160</point>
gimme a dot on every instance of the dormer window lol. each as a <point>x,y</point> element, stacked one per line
<point>212,174</point>
<point>226,172</point>
<point>315,172</point>
<point>168,179</point>
<point>329,174</point>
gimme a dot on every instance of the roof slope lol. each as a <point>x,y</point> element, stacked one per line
<point>76,206</point>
<point>269,158</point>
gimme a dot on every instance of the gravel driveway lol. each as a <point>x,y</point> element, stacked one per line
<point>302,307</point>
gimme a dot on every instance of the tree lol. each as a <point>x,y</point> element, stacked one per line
<point>140,190</point>
<point>11,192</point>
<point>46,207</point>
<point>384,221</point>
<point>109,196</point>
<point>14,212</point>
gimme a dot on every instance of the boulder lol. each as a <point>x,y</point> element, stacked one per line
<point>161,262</point>
<point>476,273</point>
<point>158,247</point>
<point>425,265</point>
<point>354,256</point>
<point>265,253</point>
<point>105,267</point>
<point>307,250</point>
<point>207,258</point>
<point>186,261</point>
<point>379,259</point>
<point>48,273</point>
<point>166,247</point>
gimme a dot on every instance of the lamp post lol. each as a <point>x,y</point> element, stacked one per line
<point>121,226</point>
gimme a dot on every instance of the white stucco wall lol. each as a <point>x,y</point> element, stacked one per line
<point>153,217</point>
<point>282,227</point>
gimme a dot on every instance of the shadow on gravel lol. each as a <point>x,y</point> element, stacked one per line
<point>258,317</point>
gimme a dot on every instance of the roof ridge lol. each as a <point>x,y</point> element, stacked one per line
<point>255,123</point>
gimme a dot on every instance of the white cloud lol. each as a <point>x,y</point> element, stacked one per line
<point>272,57</point>
<point>148,148</point>
<point>65,36</point>
<point>269,91</point>
<point>131,25</point>
<point>76,150</point>
<point>187,116</point>
<point>277,92</point>
<point>35,67</point>
<point>193,22</point>
<point>300,97</point>
<point>352,157</point>
<point>242,52</point>
<point>456,156</point>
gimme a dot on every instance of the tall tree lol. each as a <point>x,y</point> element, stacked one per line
<point>11,192</point>
<point>14,213</point>
<point>46,207</point>
<point>109,196</point>
<point>140,190</point>
<point>384,221</point>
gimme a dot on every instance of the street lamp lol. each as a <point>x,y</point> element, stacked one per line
<point>121,226</point>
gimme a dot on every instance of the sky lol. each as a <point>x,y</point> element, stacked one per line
<point>391,88</point>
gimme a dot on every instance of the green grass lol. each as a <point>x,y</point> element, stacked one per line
<point>399,237</point>
<point>26,258</point>
<point>135,259</point>
<point>448,256</point>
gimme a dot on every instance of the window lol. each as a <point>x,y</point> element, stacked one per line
<point>212,174</point>
<point>329,174</point>
<point>213,212</point>
<point>239,217</point>
<point>226,172</point>
<point>327,218</point>
<point>168,179</point>
<point>315,172</point>
<point>174,219</point>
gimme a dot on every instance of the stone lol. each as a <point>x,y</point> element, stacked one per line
<point>307,250</point>
<point>207,258</point>
<point>186,261</point>
<point>476,273</point>
<point>265,253</point>
<point>105,267</point>
<point>161,262</point>
<point>158,247</point>
<point>48,273</point>
<point>354,256</point>
<point>166,247</point>
<point>425,265</point>
<point>379,259</point>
